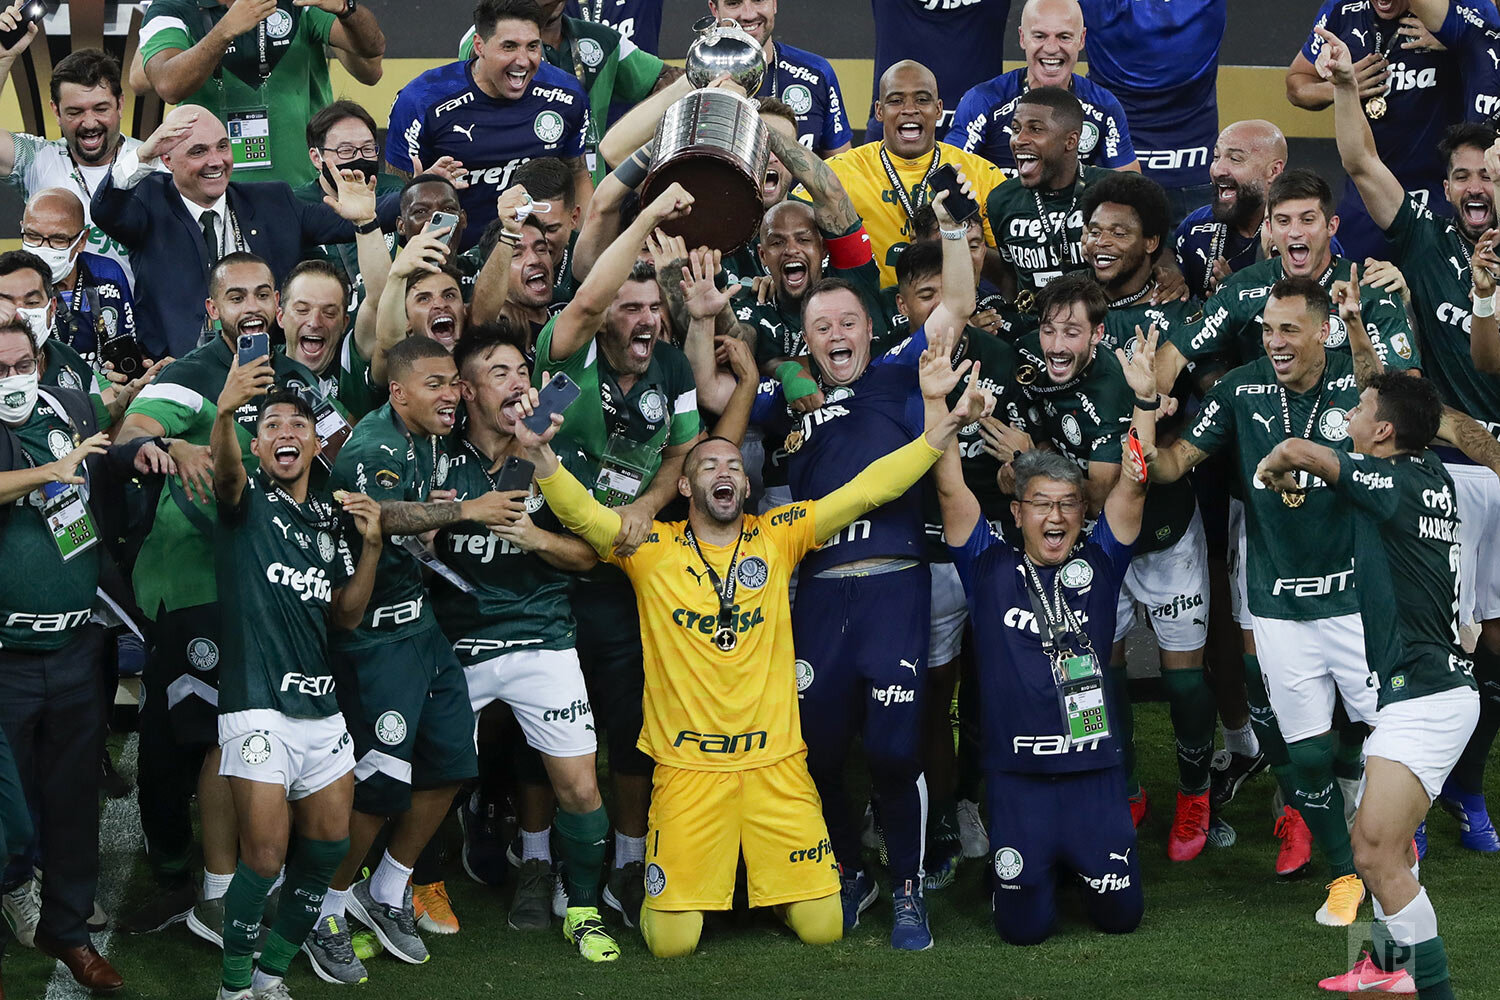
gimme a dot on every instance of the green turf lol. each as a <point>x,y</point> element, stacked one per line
<point>1220,927</point>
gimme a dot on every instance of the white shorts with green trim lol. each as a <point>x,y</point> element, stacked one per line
<point>1305,664</point>
<point>545,690</point>
<point>303,756</point>
<point>1425,735</point>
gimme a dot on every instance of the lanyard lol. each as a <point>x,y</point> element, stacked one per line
<point>1057,617</point>
<point>592,11</point>
<point>264,62</point>
<point>1056,240</point>
<point>773,74</point>
<point>895,179</point>
<point>725,637</point>
<point>1381,49</point>
<point>1131,300</point>
<point>432,482</point>
<point>1216,250</point>
<point>1286,411</point>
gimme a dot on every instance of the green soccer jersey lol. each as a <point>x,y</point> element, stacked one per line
<point>44,599</point>
<point>1434,257</point>
<point>67,369</point>
<point>1299,558</point>
<point>1039,233</point>
<point>1169,506</point>
<point>1085,418</point>
<point>519,600</point>
<point>660,410</point>
<point>744,265</point>
<point>387,462</point>
<point>1231,322</point>
<point>610,66</point>
<point>279,563</point>
<point>1406,566</point>
<point>778,325</point>
<point>267,85</point>
<point>175,566</point>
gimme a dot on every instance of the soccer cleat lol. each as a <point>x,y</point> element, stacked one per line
<point>396,928</point>
<point>1367,977</point>
<point>275,990</point>
<point>433,908</point>
<point>366,945</point>
<point>1229,772</point>
<point>207,920</point>
<point>909,931</point>
<point>583,926</point>
<point>942,864</point>
<point>331,950</point>
<point>626,890</point>
<point>1476,832</point>
<point>1295,854</point>
<point>483,854</point>
<point>1140,805</point>
<point>856,893</point>
<point>1189,827</point>
<point>22,911</point>
<point>228,994</point>
<point>971,832</point>
<point>1419,841</point>
<point>165,908</point>
<point>531,909</point>
<point>1345,893</point>
<point>559,890</point>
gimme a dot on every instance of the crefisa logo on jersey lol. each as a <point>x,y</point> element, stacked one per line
<point>202,654</point>
<point>798,98</point>
<point>548,126</point>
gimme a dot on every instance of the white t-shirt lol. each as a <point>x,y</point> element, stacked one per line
<point>44,163</point>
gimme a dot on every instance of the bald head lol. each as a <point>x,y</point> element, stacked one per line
<point>54,208</point>
<point>201,161</point>
<point>908,109</point>
<point>1051,38</point>
<point>1247,157</point>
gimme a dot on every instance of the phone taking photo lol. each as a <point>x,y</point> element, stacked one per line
<point>959,205</point>
<point>251,347</point>
<point>440,219</point>
<point>555,397</point>
<point>515,474</point>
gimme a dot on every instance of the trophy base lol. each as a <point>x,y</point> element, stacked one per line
<point>726,203</point>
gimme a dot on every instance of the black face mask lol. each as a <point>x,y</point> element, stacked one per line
<point>367,167</point>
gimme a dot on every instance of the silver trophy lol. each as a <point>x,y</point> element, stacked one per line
<point>722,46</point>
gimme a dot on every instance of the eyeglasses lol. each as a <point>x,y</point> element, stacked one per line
<point>55,242</point>
<point>26,366</point>
<point>1070,506</point>
<point>348,151</point>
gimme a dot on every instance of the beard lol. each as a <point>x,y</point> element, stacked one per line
<point>1249,207</point>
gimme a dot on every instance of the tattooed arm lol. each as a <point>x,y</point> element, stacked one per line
<point>1471,438</point>
<point>832,208</point>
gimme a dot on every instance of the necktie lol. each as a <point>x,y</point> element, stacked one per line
<point>210,221</point>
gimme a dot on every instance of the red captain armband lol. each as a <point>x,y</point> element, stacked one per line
<point>854,250</point>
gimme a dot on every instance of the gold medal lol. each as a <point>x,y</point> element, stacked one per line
<point>1375,108</point>
<point>1294,498</point>
<point>792,443</point>
<point>1025,374</point>
<point>1026,301</point>
<point>726,640</point>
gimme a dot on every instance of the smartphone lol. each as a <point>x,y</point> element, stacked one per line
<point>440,219</point>
<point>30,13</point>
<point>515,474</point>
<point>252,347</point>
<point>959,205</point>
<point>124,353</point>
<point>555,397</point>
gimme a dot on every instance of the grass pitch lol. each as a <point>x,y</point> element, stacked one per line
<point>1222,926</point>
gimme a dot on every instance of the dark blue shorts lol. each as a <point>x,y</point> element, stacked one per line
<point>1077,825</point>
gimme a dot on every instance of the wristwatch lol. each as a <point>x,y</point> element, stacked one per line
<point>350,6</point>
<point>368,227</point>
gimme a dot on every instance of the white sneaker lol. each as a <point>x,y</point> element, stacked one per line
<point>22,911</point>
<point>559,893</point>
<point>971,833</point>
<point>274,990</point>
<point>245,994</point>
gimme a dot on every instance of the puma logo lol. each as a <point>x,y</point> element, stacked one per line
<point>1463,272</point>
<point>388,449</point>
<point>694,573</point>
<point>1263,419</point>
<point>1493,58</point>
<point>467,130</point>
<point>1361,35</point>
<point>910,666</point>
<point>284,527</point>
<point>1122,858</point>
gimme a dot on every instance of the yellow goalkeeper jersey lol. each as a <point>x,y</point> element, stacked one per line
<point>864,177</point>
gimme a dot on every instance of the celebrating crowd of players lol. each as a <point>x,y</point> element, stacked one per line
<point>416,467</point>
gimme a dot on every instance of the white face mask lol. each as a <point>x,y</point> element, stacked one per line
<point>17,397</point>
<point>37,320</point>
<point>60,262</point>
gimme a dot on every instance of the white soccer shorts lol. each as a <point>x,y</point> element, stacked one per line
<point>950,611</point>
<point>1478,532</point>
<point>1306,663</point>
<point>545,690</point>
<point>1173,585</point>
<point>303,756</point>
<point>1239,585</point>
<point>1425,734</point>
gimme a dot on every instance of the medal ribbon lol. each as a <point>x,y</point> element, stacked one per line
<point>725,589</point>
<point>1059,616</point>
<point>895,178</point>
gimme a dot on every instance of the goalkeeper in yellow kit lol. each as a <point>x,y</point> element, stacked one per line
<point>721,717</point>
